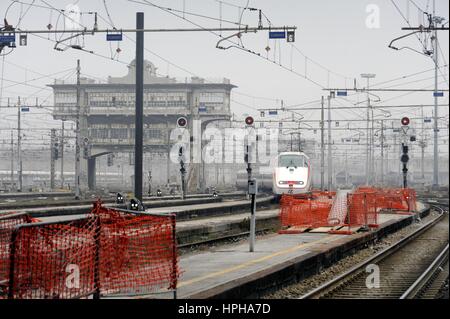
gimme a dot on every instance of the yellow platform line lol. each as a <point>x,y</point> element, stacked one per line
<point>249,263</point>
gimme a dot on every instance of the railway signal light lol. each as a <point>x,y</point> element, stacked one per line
<point>135,204</point>
<point>182,122</point>
<point>249,121</point>
<point>158,192</point>
<point>404,159</point>
<point>55,151</point>
<point>405,121</point>
<point>86,152</point>
<point>119,199</point>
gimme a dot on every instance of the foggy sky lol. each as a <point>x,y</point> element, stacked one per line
<point>332,33</point>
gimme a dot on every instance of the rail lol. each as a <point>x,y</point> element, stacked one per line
<point>337,281</point>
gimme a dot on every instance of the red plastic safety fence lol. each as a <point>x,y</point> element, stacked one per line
<point>109,252</point>
<point>411,199</point>
<point>7,224</point>
<point>305,212</point>
<point>395,199</point>
<point>138,252</point>
<point>53,260</point>
<point>362,209</point>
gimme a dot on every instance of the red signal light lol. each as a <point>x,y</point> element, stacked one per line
<point>182,122</point>
<point>249,120</point>
<point>405,121</point>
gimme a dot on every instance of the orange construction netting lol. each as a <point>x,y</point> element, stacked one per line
<point>305,211</point>
<point>8,221</point>
<point>138,253</point>
<point>362,209</point>
<point>395,199</point>
<point>53,260</point>
<point>107,252</point>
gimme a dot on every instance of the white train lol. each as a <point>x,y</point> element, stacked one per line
<point>291,173</point>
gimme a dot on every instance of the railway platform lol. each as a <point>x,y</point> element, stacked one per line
<point>234,272</point>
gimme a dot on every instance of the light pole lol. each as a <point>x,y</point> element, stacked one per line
<point>369,159</point>
<point>330,171</point>
<point>322,147</point>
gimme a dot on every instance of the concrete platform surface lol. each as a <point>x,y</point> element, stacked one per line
<point>222,267</point>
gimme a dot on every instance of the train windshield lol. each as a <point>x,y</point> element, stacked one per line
<point>292,160</point>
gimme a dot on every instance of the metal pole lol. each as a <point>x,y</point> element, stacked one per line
<point>19,145</point>
<point>52,158</point>
<point>77,136</point>
<point>367,137</point>
<point>405,173</point>
<point>139,123</point>
<point>248,151</point>
<point>183,175</point>
<point>329,145</point>
<point>382,153</point>
<point>422,144</point>
<point>12,158</point>
<point>397,151</point>
<point>372,148</point>
<point>149,183</point>
<point>322,149</point>
<point>253,224</point>
<point>436,154</point>
<point>168,154</point>
<point>62,154</point>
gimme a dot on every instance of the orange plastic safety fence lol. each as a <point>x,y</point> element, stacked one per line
<point>305,212</point>
<point>53,260</point>
<point>108,252</point>
<point>410,197</point>
<point>8,221</point>
<point>396,199</point>
<point>362,209</point>
<point>137,252</point>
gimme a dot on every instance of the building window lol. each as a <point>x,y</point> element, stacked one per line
<point>119,133</point>
<point>153,134</point>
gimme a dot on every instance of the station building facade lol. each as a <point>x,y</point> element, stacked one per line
<point>107,113</point>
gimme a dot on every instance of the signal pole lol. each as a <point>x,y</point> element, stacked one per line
<point>322,147</point>
<point>139,121</point>
<point>329,145</point>
<point>369,159</point>
<point>182,172</point>
<point>19,146</point>
<point>52,158</point>
<point>252,183</point>
<point>382,153</point>
<point>62,155</point>
<point>12,157</point>
<point>434,22</point>
<point>422,146</point>
<point>77,136</point>
<point>434,39</point>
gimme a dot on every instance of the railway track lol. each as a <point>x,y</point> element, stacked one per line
<point>414,267</point>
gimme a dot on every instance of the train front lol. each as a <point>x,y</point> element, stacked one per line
<point>292,174</point>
